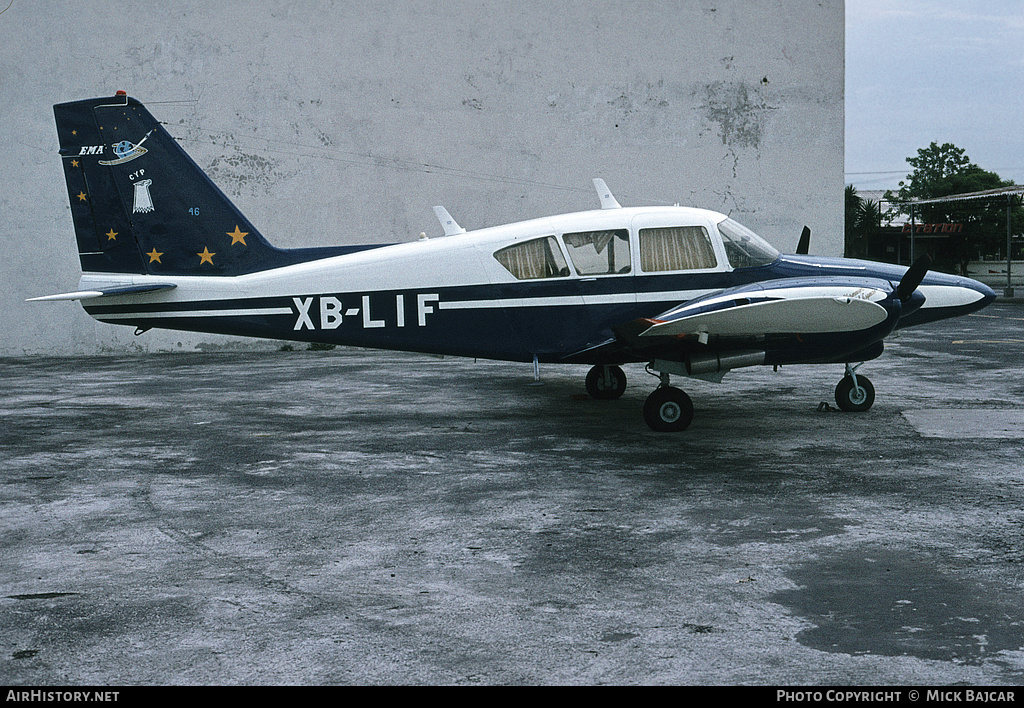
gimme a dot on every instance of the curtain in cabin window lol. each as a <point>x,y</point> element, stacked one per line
<point>539,258</point>
<point>676,248</point>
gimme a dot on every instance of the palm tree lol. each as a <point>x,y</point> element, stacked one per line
<point>853,203</point>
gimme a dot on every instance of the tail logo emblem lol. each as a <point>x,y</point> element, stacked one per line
<point>127,151</point>
<point>143,201</point>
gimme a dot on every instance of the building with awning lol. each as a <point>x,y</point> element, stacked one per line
<point>953,246</point>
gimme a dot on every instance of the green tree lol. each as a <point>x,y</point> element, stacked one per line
<point>851,247</point>
<point>944,170</point>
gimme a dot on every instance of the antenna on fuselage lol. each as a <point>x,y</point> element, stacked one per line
<point>605,195</point>
<point>450,226</point>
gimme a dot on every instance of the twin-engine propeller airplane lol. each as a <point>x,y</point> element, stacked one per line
<point>688,291</point>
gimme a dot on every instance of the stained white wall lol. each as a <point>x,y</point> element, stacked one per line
<point>345,122</point>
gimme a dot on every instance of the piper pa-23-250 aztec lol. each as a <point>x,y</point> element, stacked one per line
<point>688,291</point>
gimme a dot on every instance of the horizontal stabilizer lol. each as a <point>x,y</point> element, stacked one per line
<point>105,292</point>
<point>811,315</point>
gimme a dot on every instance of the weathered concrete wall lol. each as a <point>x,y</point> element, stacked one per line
<point>345,122</point>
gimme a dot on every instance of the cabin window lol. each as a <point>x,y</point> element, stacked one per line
<point>676,248</point>
<point>539,258</point>
<point>743,247</point>
<point>599,252</point>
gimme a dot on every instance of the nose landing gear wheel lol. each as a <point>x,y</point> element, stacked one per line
<point>606,383</point>
<point>668,410</point>
<point>855,394</point>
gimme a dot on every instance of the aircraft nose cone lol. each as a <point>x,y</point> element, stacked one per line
<point>948,296</point>
<point>982,293</point>
<point>988,294</point>
<point>963,294</point>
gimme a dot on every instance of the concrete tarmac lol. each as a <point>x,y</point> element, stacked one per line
<point>357,517</point>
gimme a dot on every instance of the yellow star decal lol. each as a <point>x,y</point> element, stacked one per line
<point>74,163</point>
<point>81,196</point>
<point>154,256</point>
<point>238,236</point>
<point>111,235</point>
<point>206,256</point>
<point>74,132</point>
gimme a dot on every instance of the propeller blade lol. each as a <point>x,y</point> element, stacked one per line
<point>913,277</point>
<point>805,242</point>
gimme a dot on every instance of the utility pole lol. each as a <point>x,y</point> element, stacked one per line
<point>1009,250</point>
<point>913,230</point>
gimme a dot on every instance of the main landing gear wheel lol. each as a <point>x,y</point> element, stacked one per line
<point>855,394</point>
<point>668,410</point>
<point>606,383</point>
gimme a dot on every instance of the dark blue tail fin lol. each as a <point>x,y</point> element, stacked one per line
<point>141,205</point>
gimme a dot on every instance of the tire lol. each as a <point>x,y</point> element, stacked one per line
<point>606,387</point>
<point>668,410</point>
<point>852,401</point>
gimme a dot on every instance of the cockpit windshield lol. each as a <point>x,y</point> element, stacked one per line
<point>743,247</point>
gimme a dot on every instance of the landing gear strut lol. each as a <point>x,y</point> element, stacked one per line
<point>606,382</point>
<point>668,409</point>
<point>854,393</point>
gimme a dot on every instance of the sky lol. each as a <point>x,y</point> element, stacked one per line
<point>923,71</point>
